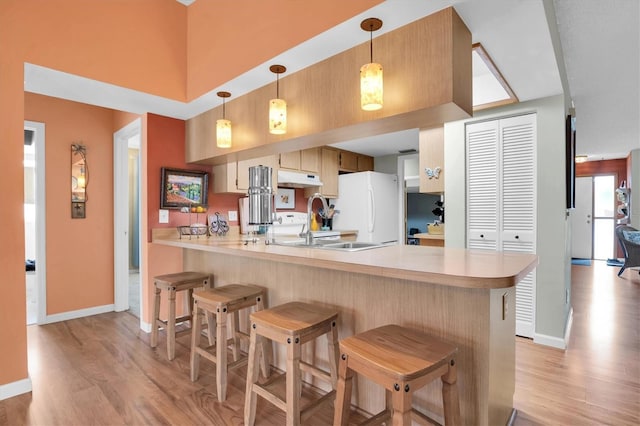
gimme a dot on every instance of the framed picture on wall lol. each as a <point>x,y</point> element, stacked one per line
<point>286,198</point>
<point>183,188</point>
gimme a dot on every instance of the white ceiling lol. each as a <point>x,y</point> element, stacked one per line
<point>600,41</point>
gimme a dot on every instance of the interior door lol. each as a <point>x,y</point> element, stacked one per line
<point>582,219</point>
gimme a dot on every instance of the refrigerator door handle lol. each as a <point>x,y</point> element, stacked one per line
<point>372,210</point>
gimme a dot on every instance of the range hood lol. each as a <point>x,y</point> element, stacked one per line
<point>292,179</point>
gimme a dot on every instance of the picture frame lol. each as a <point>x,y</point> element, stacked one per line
<point>183,188</point>
<point>286,198</point>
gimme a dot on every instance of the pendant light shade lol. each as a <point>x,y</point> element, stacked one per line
<point>223,126</point>
<point>277,107</point>
<point>371,81</point>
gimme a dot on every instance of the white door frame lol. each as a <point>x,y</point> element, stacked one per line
<point>41,220</point>
<point>121,214</point>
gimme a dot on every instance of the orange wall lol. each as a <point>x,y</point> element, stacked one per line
<point>79,251</point>
<point>253,32</point>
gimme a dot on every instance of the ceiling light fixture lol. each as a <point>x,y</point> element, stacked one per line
<point>371,73</point>
<point>223,126</point>
<point>277,106</point>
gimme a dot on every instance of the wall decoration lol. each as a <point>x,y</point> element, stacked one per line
<point>183,188</point>
<point>286,198</point>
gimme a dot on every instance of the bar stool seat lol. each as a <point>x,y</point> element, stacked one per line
<point>172,284</point>
<point>403,361</point>
<point>292,324</point>
<point>224,302</point>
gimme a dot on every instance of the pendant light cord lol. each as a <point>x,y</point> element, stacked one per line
<point>371,43</point>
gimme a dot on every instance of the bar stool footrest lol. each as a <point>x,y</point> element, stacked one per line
<point>315,371</point>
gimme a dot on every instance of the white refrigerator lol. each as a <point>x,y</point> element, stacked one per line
<point>368,203</point>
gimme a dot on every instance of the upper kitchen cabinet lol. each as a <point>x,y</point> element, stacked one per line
<point>306,160</point>
<point>329,159</point>
<point>234,176</point>
<point>353,162</point>
<point>432,160</point>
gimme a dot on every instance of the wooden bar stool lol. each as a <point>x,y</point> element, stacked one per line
<point>224,302</point>
<point>174,283</point>
<point>403,361</point>
<point>292,324</point>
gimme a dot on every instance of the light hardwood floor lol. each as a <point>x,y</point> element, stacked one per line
<point>100,370</point>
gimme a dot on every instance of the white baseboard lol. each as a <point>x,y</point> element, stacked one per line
<point>15,388</point>
<point>64,316</point>
<point>145,326</point>
<point>556,342</point>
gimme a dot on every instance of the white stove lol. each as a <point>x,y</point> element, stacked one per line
<point>290,223</point>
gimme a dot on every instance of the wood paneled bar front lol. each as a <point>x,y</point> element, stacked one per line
<point>462,296</point>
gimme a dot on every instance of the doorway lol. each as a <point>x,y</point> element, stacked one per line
<point>35,222</point>
<point>593,233</point>
<point>127,264</point>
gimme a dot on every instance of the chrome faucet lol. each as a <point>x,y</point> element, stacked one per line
<point>308,236</point>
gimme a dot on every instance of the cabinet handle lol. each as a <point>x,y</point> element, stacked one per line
<point>481,235</point>
<point>517,237</point>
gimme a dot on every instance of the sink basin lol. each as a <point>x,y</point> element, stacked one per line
<point>330,245</point>
<point>350,246</point>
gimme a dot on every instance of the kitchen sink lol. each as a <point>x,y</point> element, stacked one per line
<point>330,245</point>
<point>350,246</point>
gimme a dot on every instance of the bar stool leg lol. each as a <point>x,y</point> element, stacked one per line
<point>401,407</point>
<point>221,353</point>
<point>294,381</point>
<point>171,325</point>
<point>334,354</point>
<point>195,342</point>
<point>233,326</point>
<point>252,377</point>
<point>156,318</point>
<point>266,345</point>
<point>450,399</point>
<point>343,394</point>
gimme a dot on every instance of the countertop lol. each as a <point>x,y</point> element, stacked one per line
<point>428,236</point>
<point>436,265</point>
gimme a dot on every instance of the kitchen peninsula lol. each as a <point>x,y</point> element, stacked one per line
<point>463,296</point>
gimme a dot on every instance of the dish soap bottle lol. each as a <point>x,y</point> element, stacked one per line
<point>314,222</point>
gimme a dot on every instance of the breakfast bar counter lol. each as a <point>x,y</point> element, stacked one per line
<point>465,297</point>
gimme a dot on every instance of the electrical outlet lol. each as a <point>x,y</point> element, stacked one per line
<point>505,305</point>
<point>233,215</point>
<point>163,216</point>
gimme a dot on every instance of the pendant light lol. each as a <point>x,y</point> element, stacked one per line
<point>277,107</point>
<point>223,126</point>
<point>371,73</point>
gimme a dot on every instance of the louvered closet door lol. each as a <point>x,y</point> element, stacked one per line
<point>501,198</point>
<point>482,185</point>
<point>517,140</point>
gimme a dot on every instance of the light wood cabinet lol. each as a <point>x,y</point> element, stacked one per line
<point>353,162</point>
<point>290,160</point>
<point>432,160</point>
<point>348,161</point>
<point>234,177</point>
<point>307,160</point>
<point>365,163</point>
<point>329,164</point>
<point>310,160</point>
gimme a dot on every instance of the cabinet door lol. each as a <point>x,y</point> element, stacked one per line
<point>290,160</point>
<point>225,178</point>
<point>365,163</point>
<point>348,161</point>
<point>243,170</point>
<point>329,159</point>
<point>432,158</point>
<point>310,160</point>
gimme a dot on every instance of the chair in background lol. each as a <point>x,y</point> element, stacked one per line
<point>629,239</point>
